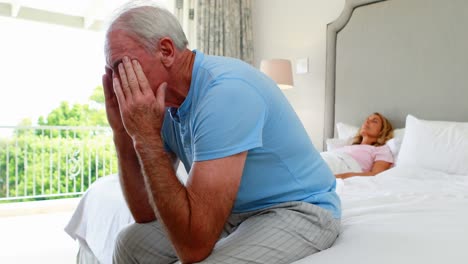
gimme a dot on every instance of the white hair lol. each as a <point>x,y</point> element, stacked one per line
<point>149,23</point>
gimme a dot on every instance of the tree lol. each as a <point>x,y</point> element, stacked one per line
<point>98,96</point>
<point>56,160</point>
<point>92,114</point>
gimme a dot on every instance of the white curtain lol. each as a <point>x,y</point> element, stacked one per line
<point>224,27</point>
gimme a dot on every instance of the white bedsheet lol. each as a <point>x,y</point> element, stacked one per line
<point>403,215</point>
<point>100,215</point>
<point>340,162</point>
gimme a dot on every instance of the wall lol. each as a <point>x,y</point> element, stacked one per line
<point>295,29</point>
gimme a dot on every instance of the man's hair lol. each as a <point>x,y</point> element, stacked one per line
<point>148,22</point>
<point>386,133</point>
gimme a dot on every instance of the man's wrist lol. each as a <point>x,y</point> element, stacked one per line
<point>154,143</point>
<point>122,138</point>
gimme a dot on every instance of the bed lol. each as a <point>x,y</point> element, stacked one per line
<point>408,59</point>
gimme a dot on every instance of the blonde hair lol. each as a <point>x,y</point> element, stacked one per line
<point>386,133</point>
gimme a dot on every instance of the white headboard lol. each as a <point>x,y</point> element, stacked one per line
<point>397,57</point>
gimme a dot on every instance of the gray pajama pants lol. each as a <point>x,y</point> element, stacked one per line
<point>282,233</point>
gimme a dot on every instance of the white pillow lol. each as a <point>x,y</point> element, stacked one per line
<point>399,134</point>
<point>436,145</point>
<point>346,131</point>
<point>394,145</point>
<point>336,143</point>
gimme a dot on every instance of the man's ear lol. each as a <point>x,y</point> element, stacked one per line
<point>167,49</point>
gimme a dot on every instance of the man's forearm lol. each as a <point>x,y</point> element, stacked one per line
<point>176,210</point>
<point>132,181</point>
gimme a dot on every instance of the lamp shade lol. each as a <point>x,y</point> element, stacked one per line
<point>280,71</point>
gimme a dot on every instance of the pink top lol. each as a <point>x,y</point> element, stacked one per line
<point>366,155</point>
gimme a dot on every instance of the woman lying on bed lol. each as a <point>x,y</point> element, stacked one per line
<point>368,148</point>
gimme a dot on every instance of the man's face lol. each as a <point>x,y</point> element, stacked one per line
<point>120,44</point>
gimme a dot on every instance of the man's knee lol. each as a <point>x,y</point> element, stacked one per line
<point>123,244</point>
<point>125,234</point>
<point>143,243</point>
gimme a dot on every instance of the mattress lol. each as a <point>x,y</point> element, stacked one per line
<point>403,215</point>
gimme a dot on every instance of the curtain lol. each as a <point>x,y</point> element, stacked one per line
<point>224,27</point>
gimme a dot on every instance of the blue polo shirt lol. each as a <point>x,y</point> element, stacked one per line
<point>232,107</point>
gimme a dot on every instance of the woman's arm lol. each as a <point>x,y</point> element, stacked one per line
<point>378,167</point>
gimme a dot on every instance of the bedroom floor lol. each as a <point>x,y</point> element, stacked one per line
<point>36,235</point>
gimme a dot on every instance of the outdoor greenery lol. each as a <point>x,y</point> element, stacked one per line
<point>68,155</point>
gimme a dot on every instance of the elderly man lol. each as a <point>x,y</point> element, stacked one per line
<point>257,189</point>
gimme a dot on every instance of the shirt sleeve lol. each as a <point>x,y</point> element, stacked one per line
<point>383,153</point>
<point>229,120</point>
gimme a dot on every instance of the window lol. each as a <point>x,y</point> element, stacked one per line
<point>52,51</point>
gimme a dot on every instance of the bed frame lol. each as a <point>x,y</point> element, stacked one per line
<point>397,57</point>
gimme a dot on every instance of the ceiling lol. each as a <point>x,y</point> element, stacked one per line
<point>88,14</point>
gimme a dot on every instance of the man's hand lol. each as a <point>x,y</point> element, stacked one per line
<point>142,111</point>
<point>112,106</point>
<point>131,178</point>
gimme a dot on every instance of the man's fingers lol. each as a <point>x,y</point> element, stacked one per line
<point>105,85</point>
<point>119,93</point>
<point>131,76</point>
<point>108,71</point>
<point>144,85</point>
<point>126,90</point>
<point>109,94</point>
